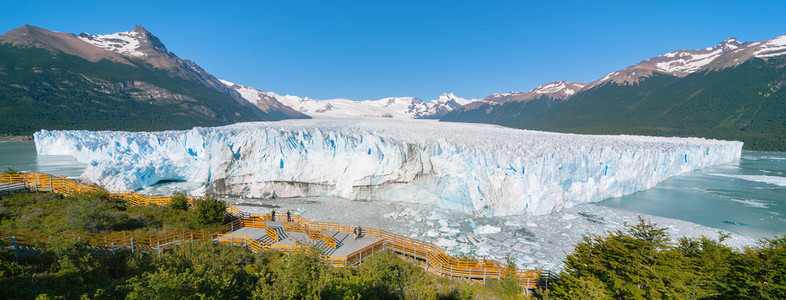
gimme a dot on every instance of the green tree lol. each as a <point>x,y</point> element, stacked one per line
<point>301,276</point>
<point>196,271</point>
<point>635,263</point>
<point>179,200</point>
<point>210,210</point>
<point>759,272</point>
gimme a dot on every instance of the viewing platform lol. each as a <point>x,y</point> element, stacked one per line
<point>338,248</point>
<point>345,243</point>
<point>338,245</point>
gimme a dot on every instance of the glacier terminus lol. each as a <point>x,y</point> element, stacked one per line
<point>479,169</point>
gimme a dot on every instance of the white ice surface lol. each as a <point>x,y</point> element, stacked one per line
<point>479,169</point>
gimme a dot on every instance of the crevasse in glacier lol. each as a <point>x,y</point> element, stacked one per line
<point>480,169</point>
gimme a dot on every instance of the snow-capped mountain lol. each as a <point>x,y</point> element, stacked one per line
<point>557,90</point>
<point>392,107</point>
<point>126,43</point>
<point>263,101</point>
<point>680,63</point>
<point>444,104</point>
<point>142,45</point>
<point>732,90</point>
<point>129,77</point>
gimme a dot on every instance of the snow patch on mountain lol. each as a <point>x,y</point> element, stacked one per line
<point>680,63</point>
<point>126,42</point>
<point>772,47</point>
<point>684,62</point>
<point>556,90</point>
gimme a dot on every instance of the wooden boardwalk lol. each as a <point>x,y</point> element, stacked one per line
<point>257,232</point>
<point>7,187</point>
<point>346,243</point>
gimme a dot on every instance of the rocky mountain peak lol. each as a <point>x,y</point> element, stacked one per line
<point>556,90</point>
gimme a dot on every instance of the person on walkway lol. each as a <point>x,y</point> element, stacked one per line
<point>289,217</point>
<point>358,232</point>
<point>273,215</point>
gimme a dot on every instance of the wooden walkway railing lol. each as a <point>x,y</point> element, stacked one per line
<point>433,255</point>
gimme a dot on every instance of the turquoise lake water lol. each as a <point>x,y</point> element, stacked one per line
<point>746,197</point>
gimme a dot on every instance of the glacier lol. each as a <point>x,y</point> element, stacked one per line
<point>474,168</point>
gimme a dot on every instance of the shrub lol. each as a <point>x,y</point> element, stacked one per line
<point>210,210</point>
<point>196,271</point>
<point>179,201</point>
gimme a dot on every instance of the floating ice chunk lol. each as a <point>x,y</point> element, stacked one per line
<point>443,223</point>
<point>435,216</point>
<point>432,233</point>
<point>774,180</point>
<point>521,247</point>
<point>446,243</point>
<point>487,229</point>
<point>569,216</point>
<point>472,224</point>
<point>513,223</point>
<point>447,231</point>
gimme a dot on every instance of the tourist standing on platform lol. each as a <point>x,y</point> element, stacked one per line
<point>289,217</point>
<point>273,215</point>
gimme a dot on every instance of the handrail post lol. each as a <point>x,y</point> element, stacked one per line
<point>16,248</point>
<point>132,245</point>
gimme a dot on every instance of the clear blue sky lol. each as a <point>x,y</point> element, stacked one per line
<point>373,49</point>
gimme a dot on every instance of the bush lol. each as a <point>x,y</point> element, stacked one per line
<point>635,263</point>
<point>210,210</point>
<point>179,201</point>
<point>196,271</point>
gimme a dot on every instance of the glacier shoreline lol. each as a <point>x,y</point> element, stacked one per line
<point>478,169</point>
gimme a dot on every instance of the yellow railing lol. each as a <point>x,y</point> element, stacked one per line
<point>272,233</point>
<point>20,240</point>
<point>432,254</point>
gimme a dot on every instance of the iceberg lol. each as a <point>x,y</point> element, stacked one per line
<point>474,168</point>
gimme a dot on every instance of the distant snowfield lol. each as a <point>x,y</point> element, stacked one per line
<point>476,169</point>
<point>391,107</point>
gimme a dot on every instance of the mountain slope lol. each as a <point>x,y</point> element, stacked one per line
<point>728,91</point>
<point>744,103</point>
<point>498,108</point>
<point>52,80</point>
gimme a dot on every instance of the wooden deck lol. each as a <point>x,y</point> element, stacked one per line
<point>346,243</point>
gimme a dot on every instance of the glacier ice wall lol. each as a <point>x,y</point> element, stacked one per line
<point>480,169</point>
